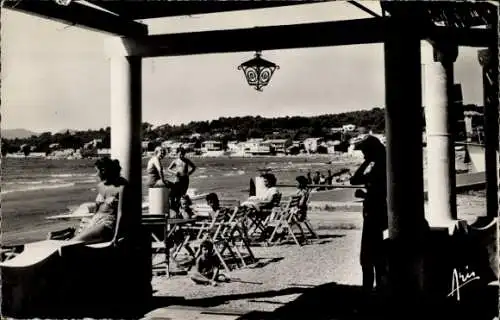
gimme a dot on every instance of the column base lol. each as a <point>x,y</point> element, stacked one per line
<point>446,225</point>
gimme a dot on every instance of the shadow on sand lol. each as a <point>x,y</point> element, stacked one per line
<point>160,302</point>
<point>336,301</point>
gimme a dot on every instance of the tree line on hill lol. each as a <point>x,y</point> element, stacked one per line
<point>224,129</point>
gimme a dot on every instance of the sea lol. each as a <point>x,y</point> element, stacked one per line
<point>33,189</point>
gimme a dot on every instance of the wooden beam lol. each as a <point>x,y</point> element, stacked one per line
<point>80,15</point>
<point>133,9</point>
<point>308,35</point>
<point>319,34</point>
<point>466,37</point>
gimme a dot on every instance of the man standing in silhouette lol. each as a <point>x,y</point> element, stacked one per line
<point>372,174</point>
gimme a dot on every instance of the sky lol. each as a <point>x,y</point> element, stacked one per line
<point>56,76</point>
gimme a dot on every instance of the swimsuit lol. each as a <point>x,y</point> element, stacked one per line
<point>153,175</point>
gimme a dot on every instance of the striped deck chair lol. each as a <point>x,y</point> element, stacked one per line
<point>300,219</point>
<point>212,231</point>
<point>284,220</point>
<point>234,231</point>
<point>257,220</point>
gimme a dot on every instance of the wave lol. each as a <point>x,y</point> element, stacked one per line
<point>47,181</point>
<point>39,187</point>
<point>232,174</point>
<point>70,175</point>
<point>203,176</point>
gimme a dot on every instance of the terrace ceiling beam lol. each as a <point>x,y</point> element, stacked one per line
<point>134,9</point>
<point>80,15</point>
<point>465,37</point>
<point>320,34</point>
<point>307,35</point>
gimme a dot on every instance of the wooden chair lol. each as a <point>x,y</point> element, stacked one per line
<point>234,231</point>
<point>284,221</point>
<point>301,219</point>
<point>209,230</point>
<point>258,219</point>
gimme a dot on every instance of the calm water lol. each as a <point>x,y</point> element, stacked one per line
<point>33,189</point>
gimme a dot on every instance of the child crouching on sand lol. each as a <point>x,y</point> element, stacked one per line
<point>207,270</point>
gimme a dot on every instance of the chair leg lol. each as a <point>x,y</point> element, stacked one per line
<point>310,228</point>
<point>249,250</point>
<point>239,255</point>
<point>221,258</point>
<point>290,230</point>
<point>304,237</point>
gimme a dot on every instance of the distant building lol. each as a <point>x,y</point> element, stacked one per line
<point>311,144</point>
<point>279,145</point>
<point>103,152</point>
<point>92,144</point>
<point>211,145</point>
<point>336,130</point>
<point>257,147</point>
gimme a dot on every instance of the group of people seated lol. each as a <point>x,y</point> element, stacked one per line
<point>206,267</point>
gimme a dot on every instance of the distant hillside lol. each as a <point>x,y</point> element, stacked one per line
<point>17,133</point>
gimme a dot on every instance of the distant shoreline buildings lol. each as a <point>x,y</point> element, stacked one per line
<point>217,148</point>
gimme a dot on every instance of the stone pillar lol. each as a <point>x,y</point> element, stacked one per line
<point>126,100</point>
<point>438,61</point>
<point>468,126</point>
<point>488,59</point>
<point>405,197</point>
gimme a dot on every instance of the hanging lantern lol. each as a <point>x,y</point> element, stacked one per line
<point>63,2</point>
<point>258,71</point>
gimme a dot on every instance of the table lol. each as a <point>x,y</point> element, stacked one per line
<point>169,226</point>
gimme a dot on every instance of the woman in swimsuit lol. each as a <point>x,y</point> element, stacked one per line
<point>182,168</point>
<point>102,225</point>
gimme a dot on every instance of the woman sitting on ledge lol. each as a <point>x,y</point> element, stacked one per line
<point>101,227</point>
<point>268,199</point>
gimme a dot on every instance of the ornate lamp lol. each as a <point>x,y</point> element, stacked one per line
<point>258,71</point>
<point>63,2</point>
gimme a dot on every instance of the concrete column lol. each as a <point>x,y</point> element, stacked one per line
<point>488,59</point>
<point>438,61</point>
<point>468,126</point>
<point>126,99</point>
<point>405,198</point>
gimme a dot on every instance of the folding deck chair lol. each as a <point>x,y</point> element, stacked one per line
<point>258,219</point>
<point>211,231</point>
<point>288,218</point>
<point>235,233</point>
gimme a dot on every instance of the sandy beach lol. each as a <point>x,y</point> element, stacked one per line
<point>283,273</point>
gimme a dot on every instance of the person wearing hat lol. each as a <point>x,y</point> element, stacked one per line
<point>372,174</point>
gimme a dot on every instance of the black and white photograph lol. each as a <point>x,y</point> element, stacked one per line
<point>260,160</point>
